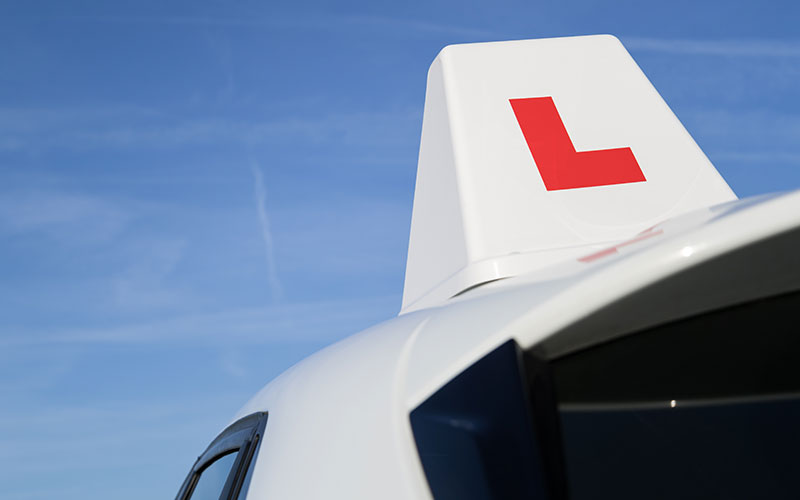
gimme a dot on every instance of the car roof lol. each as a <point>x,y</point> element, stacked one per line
<point>346,407</point>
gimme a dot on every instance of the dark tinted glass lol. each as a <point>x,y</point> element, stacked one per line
<point>726,450</point>
<point>212,479</point>
<point>706,407</point>
<point>475,437</point>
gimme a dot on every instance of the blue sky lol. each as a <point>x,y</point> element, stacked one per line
<point>196,195</point>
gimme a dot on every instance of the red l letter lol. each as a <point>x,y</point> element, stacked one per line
<point>560,166</point>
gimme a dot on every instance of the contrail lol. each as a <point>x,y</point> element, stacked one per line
<point>266,232</point>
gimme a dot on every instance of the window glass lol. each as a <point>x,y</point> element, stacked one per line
<point>704,407</point>
<point>213,473</point>
<point>734,450</point>
<point>475,438</point>
<point>212,479</point>
<point>701,408</point>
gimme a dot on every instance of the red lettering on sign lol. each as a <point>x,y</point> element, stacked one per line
<point>560,166</point>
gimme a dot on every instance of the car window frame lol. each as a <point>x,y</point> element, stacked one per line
<point>243,437</point>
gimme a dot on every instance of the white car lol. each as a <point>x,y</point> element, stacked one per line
<point>588,312</point>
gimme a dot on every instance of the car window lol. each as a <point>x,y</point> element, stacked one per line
<point>705,407</point>
<point>702,407</point>
<point>212,479</point>
<point>223,471</point>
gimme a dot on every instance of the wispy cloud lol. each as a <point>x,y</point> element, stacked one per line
<point>37,119</point>
<point>143,284</point>
<point>231,363</point>
<point>744,48</point>
<point>275,287</point>
<point>105,438</point>
<point>363,128</point>
<point>759,157</point>
<point>407,25</point>
<point>337,23</point>
<point>756,129</point>
<point>67,217</point>
<point>297,322</point>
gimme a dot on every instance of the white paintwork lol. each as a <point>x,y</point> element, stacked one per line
<point>481,210</point>
<point>338,423</point>
<point>336,427</point>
